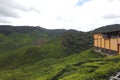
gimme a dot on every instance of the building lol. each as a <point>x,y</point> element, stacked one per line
<point>107,39</point>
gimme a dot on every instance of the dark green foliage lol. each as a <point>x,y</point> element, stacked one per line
<point>31,54</point>
<point>20,36</point>
<point>34,54</point>
<point>75,42</point>
<point>6,43</point>
<point>93,66</point>
<point>3,39</point>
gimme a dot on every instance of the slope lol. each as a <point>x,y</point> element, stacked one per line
<point>15,37</point>
<point>87,65</point>
<point>31,54</point>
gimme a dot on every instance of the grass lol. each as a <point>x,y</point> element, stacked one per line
<point>87,65</point>
<point>30,54</point>
<point>49,62</point>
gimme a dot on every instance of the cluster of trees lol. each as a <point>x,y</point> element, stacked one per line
<point>72,41</point>
<point>76,41</point>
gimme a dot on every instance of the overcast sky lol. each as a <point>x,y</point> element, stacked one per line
<point>83,15</point>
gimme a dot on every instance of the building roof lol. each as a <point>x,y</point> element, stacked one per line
<point>108,28</point>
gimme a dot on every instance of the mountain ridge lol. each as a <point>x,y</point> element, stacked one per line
<point>33,53</point>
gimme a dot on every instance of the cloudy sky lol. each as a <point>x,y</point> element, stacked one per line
<point>83,15</point>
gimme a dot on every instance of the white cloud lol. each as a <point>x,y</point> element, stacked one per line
<point>66,14</point>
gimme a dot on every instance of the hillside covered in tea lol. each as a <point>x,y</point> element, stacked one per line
<point>35,53</point>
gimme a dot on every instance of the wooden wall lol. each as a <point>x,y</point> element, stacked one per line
<point>107,43</point>
<point>119,46</point>
<point>118,40</point>
<point>119,49</point>
<point>113,44</point>
<point>96,40</point>
<point>99,43</point>
<point>103,43</point>
<point>95,43</point>
<point>96,36</point>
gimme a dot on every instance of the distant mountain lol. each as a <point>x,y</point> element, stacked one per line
<point>13,37</point>
<point>35,53</point>
<point>7,30</point>
<point>19,36</point>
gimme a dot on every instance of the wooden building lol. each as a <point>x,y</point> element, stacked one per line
<point>107,39</point>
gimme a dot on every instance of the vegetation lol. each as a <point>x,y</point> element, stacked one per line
<point>35,53</point>
<point>75,42</point>
<point>87,65</point>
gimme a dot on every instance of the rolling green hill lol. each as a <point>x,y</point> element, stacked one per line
<point>87,65</point>
<point>35,53</point>
<point>15,37</point>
